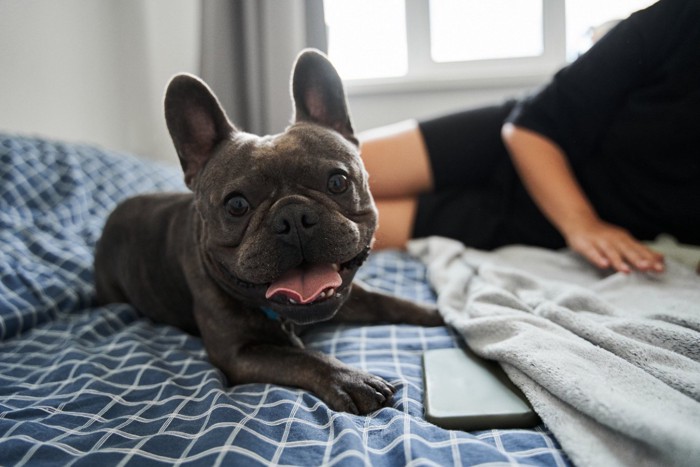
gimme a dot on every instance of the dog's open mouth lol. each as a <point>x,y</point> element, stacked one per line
<point>311,283</point>
<point>307,287</point>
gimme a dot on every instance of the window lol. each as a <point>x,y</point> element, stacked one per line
<point>470,30</point>
<point>583,16</point>
<point>434,42</point>
<point>367,38</point>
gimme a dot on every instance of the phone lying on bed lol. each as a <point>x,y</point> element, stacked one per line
<point>465,392</point>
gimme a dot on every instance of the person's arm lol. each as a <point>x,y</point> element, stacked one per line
<point>549,180</point>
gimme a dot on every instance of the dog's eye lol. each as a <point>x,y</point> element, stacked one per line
<point>237,205</point>
<point>338,183</point>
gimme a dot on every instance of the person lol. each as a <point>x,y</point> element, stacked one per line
<point>601,159</point>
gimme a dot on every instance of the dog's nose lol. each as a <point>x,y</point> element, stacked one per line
<point>295,221</point>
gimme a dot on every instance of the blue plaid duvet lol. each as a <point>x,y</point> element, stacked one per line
<point>86,385</point>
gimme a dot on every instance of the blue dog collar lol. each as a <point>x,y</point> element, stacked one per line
<point>270,313</point>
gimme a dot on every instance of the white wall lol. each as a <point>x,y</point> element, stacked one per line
<point>94,71</point>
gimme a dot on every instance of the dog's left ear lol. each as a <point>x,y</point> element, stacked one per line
<point>318,94</point>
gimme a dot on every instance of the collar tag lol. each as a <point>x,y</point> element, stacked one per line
<point>287,326</point>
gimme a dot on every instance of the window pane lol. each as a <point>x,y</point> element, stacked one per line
<point>587,19</point>
<point>367,38</point>
<point>464,30</point>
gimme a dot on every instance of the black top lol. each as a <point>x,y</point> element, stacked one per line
<point>627,115</point>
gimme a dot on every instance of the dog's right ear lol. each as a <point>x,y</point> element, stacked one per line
<point>196,121</point>
<point>318,94</point>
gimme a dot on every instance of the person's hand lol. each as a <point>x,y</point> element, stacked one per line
<point>545,172</point>
<point>608,246</point>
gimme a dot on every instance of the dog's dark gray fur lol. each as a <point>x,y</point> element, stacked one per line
<point>260,207</point>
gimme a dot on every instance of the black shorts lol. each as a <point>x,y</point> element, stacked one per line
<point>478,198</point>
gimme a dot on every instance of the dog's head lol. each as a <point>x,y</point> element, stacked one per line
<point>285,220</point>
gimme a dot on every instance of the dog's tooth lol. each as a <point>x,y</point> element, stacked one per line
<point>331,292</point>
<point>292,301</point>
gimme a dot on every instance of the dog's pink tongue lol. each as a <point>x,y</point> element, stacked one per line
<point>305,285</point>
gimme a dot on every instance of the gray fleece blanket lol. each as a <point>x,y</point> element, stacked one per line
<point>610,362</point>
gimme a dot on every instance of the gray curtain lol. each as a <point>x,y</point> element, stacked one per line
<point>248,48</point>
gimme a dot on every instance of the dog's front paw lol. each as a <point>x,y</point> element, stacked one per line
<point>356,392</point>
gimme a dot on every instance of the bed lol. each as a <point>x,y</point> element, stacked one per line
<point>88,385</point>
<point>610,362</point>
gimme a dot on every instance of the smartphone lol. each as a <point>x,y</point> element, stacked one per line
<point>465,392</point>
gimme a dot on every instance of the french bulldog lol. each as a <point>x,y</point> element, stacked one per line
<point>268,241</point>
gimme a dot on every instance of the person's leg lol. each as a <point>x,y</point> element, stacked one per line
<point>397,160</point>
<point>398,164</point>
<point>411,160</point>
